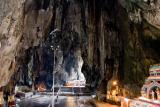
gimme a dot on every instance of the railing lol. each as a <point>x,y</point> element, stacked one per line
<point>125,102</point>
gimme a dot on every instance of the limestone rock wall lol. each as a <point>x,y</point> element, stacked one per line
<point>21,27</point>
<point>116,38</point>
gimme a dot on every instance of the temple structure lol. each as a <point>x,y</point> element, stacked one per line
<point>150,91</point>
<point>151,87</point>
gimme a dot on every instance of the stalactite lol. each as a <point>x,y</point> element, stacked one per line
<point>109,43</point>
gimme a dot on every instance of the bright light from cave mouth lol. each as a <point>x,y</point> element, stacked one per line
<point>77,78</point>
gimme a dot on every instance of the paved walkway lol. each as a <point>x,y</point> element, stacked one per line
<point>63,101</point>
<point>101,104</point>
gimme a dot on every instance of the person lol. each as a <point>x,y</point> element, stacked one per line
<point>155,95</point>
<point>5,97</point>
<point>152,95</point>
<point>158,94</point>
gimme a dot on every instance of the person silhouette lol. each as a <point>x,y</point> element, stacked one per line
<point>155,95</point>
<point>152,95</point>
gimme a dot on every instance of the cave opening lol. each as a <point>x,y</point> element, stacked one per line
<point>41,62</point>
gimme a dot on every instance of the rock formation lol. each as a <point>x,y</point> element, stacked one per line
<point>119,36</point>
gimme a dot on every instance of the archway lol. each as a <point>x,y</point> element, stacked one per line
<point>153,91</point>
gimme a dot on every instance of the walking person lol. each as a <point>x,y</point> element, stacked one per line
<point>5,97</point>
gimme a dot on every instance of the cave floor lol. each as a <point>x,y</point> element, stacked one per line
<point>63,101</point>
<point>102,104</point>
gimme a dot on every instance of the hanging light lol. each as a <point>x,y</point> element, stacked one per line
<point>115,83</point>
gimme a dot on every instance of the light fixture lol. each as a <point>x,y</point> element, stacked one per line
<point>114,82</point>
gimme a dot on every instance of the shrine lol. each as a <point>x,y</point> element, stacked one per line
<point>151,87</point>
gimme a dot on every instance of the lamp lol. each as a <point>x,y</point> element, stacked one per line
<point>115,83</point>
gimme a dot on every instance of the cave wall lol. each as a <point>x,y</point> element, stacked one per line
<point>23,25</point>
<point>112,44</point>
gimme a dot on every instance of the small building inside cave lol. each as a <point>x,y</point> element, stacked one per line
<point>151,87</point>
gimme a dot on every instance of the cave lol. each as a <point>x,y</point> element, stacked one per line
<point>102,49</point>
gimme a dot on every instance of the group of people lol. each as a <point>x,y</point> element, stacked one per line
<point>154,94</point>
